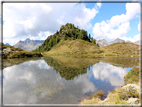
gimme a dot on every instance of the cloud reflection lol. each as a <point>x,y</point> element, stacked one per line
<point>21,80</point>
<point>105,71</point>
<point>87,85</point>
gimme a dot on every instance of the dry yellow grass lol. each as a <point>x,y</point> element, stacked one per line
<point>83,48</point>
<point>126,49</point>
<point>74,47</point>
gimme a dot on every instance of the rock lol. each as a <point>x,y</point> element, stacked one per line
<point>132,100</point>
<point>134,86</point>
<point>106,99</point>
<point>7,50</point>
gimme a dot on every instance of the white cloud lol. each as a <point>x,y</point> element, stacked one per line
<point>31,19</point>
<point>118,26</point>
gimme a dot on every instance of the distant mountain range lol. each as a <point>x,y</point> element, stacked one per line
<point>138,42</point>
<point>103,42</point>
<point>29,44</point>
<point>7,44</point>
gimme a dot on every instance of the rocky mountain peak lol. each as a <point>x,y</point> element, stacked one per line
<point>29,44</point>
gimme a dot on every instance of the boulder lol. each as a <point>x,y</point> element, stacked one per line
<point>134,86</point>
<point>102,101</point>
<point>7,50</point>
<point>132,100</point>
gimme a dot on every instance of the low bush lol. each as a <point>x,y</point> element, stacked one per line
<point>97,94</point>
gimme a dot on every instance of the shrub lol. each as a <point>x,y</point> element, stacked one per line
<point>100,93</point>
<point>97,94</point>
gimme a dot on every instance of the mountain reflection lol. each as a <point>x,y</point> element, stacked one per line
<point>69,67</point>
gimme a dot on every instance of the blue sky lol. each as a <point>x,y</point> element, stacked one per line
<point>102,20</point>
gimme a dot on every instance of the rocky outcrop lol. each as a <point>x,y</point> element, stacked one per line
<point>7,50</point>
<point>133,100</point>
<point>131,86</point>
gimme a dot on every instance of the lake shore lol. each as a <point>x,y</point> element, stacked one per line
<point>126,94</point>
<point>98,55</point>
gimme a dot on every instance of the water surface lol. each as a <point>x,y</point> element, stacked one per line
<point>62,80</point>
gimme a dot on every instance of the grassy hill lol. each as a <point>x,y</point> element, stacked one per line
<point>71,40</point>
<point>120,49</point>
<point>67,32</point>
<point>12,52</point>
<point>77,46</point>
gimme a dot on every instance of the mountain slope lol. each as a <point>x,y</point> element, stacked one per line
<point>122,49</point>
<point>117,40</point>
<point>77,46</point>
<point>66,33</point>
<point>29,44</point>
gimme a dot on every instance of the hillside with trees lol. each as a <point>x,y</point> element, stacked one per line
<point>71,40</point>
<point>66,32</point>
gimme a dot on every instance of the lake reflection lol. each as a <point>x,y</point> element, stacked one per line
<point>59,80</point>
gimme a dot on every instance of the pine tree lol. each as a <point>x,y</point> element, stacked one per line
<point>89,36</point>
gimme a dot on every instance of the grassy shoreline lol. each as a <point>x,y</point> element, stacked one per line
<point>126,94</point>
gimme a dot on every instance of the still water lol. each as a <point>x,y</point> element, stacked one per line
<point>62,80</point>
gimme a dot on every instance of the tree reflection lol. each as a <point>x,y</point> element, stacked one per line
<point>70,67</point>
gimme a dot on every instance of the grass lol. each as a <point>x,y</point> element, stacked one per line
<point>132,76</point>
<point>74,47</point>
<point>83,48</point>
<point>113,98</point>
<point>123,49</point>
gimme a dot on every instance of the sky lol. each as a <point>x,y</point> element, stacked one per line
<point>37,21</point>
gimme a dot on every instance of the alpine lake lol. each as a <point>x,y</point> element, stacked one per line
<point>62,79</point>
